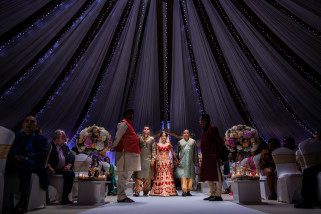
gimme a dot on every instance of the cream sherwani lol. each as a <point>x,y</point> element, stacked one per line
<point>126,163</point>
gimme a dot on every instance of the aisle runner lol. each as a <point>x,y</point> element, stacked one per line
<point>172,205</point>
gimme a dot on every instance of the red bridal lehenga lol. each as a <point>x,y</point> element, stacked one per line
<point>164,182</point>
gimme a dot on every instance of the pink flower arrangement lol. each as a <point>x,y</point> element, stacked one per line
<point>93,139</point>
<point>241,137</point>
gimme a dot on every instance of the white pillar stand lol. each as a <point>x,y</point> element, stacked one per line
<point>246,191</point>
<point>91,192</point>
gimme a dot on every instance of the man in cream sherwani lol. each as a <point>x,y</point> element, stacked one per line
<point>126,145</point>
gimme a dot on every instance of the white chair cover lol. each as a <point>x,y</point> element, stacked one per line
<point>6,140</point>
<point>37,196</point>
<point>289,178</point>
<point>311,152</point>
<point>300,159</point>
<point>81,165</point>
<point>57,183</point>
<point>243,162</point>
<point>256,160</point>
<point>264,188</point>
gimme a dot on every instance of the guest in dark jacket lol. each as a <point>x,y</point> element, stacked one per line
<point>61,161</point>
<point>27,155</point>
<point>211,146</point>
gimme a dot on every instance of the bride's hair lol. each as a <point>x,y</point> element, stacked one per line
<point>163,132</point>
<point>160,137</point>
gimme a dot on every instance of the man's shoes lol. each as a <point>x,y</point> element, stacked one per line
<point>125,200</point>
<point>208,198</point>
<point>216,198</point>
<point>136,194</point>
<point>66,202</point>
<point>189,194</point>
<point>272,197</point>
<point>303,205</point>
<point>184,194</point>
<point>146,194</point>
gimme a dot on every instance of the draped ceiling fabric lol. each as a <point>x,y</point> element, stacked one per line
<point>75,63</point>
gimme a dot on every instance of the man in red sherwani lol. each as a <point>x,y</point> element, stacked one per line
<point>126,145</point>
<point>211,146</point>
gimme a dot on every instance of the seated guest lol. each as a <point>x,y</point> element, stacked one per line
<point>267,167</point>
<point>289,142</point>
<point>250,165</point>
<point>227,172</point>
<point>27,155</point>
<point>110,176</point>
<point>237,165</point>
<point>61,162</point>
<point>309,183</point>
<point>273,144</point>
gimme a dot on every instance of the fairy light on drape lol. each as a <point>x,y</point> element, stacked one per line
<point>72,64</point>
<point>296,19</point>
<point>192,58</point>
<point>257,66</point>
<point>223,67</point>
<point>5,45</point>
<point>47,52</point>
<point>84,119</point>
<point>307,72</point>
<point>137,50</point>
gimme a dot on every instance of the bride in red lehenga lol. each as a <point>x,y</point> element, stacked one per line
<point>164,182</point>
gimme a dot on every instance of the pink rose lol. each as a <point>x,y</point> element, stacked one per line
<point>88,142</point>
<point>247,134</point>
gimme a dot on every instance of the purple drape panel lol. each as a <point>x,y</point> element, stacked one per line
<point>301,96</point>
<point>35,84</point>
<point>307,13</point>
<point>217,100</point>
<point>184,108</point>
<point>15,56</point>
<point>302,42</point>
<point>64,108</point>
<point>144,98</point>
<point>13,12</point>
<point>106,108</point>
<point>270,117</point>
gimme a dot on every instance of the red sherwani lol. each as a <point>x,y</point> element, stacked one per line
<point>211,146</point>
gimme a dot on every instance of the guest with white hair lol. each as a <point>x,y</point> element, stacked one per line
<point>61,162</point>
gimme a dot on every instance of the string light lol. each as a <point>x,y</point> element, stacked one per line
<point>191,54</point>
<point>296,19</point>
<point>259,70</point>
<point>165,60</point>
<point>69,69</point>
<point>223,67</point>
<point>298,64</point>
<point>104,69</point>
<point>38,24</point>
<point>47,51</point>
<point>140,32</point>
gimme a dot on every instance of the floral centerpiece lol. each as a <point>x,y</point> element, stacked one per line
<point>241,138</point>
<point>93,139</point>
